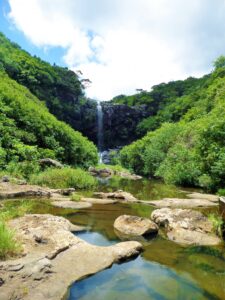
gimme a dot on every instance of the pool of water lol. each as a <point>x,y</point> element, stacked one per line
<point>164,270</point>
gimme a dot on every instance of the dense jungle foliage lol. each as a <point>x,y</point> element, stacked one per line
<point>188,148</point>
<point>29,132</point>
<point>58,87</point>
<point>166,102</point>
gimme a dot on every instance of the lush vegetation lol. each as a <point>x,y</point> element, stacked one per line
<point>29,132</point>
<point>166,102</point>
<point>65,178</point>
<point>58,87</point>
<point>190,151</point>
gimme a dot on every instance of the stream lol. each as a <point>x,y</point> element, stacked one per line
<point>165,270</point>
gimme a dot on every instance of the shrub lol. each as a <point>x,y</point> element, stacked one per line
<point>8,243</point>
<point>180,166</point>
<point>76,197</point>
<point>221,192</point>
<point>23,169</point>
<point>64,178</point>
<point>115,168</point>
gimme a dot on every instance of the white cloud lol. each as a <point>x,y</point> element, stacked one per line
<point>122,45</point>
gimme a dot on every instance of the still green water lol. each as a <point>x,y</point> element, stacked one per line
<point>164,270</point>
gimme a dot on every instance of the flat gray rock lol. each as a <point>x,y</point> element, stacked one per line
<point>48,268</point>
<point>209,197</point>
<point>182,203</point>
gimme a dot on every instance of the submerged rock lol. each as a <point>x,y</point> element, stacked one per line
<point>186,226</point>
<point>71,204</point>
<point>48,268</point>
<point>135,226</point>
<point>99,201</point>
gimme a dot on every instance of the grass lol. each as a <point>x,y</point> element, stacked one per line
<point>65,178</point>
<point>76,197</point>
<point>14,209</point>
<point>8,244</point>
<point>218,224</point>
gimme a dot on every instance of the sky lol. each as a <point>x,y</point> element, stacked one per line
<point>120,45</point>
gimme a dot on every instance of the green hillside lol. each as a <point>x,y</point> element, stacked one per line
<point>188,148</point>
<point>28,131</point>
<point>58,87</point>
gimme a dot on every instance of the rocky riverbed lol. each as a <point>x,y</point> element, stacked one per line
<point>54,257</point>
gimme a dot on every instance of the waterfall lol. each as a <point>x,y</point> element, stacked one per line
<point>100,129</point>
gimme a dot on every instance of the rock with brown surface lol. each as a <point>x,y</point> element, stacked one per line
<point>190,237</point>
<point>186,226</point>
<point>9,191</point>
<point>135,226</point>
<point>54,258</point>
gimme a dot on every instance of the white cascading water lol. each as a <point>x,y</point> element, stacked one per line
<point>100,130</point>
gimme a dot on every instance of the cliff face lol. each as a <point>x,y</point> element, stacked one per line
<point>119,123</point>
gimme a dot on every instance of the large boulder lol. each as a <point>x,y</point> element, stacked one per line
<point>49,162</point>
<point>135,226</point>
<point>186,226</point>
<point>104,172</point>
